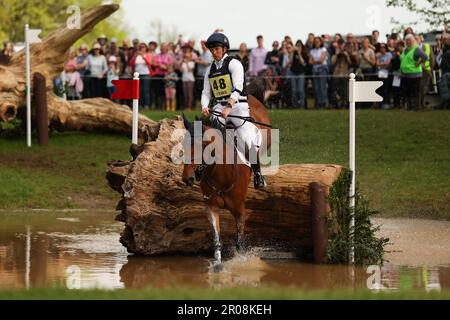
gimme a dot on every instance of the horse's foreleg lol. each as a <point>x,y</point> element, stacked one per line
<point>213,217</point>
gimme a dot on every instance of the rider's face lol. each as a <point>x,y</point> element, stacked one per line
<point>217,53</point>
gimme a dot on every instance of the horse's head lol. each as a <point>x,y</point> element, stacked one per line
<point>190,168</point>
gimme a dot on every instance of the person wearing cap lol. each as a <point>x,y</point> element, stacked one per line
<point>72,79</point>
<point>111,74</point>
<point>97,66</point>
<point>224,83</point>
<point>411,69</point>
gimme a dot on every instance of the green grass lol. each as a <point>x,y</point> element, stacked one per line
<point>237,293</point>
<point>403,160</point>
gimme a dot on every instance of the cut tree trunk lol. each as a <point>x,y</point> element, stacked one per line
<point>48,58</point>
<point>162,215</point>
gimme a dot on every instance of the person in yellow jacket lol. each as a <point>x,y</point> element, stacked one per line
<point>411,72</point>
<point>427,68</point>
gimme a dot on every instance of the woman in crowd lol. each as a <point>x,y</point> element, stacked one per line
<point>187,77</point>
<point>242,56</point>
<point>161,64</point>
<point>298,61</point>
<point>142,63</point>
<point>341,62</point>
<point>384,58</point>
<point>97,70</point>
<point>319,60</point>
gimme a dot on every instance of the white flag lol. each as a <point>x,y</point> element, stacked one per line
<point>365,91</point>
<point>32,36</point>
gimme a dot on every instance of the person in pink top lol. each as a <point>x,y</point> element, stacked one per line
<point>161,64</point>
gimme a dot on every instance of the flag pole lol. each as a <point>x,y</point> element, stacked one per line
<point>134,135</point>
<point>27,85</point>
<point>352,85</point>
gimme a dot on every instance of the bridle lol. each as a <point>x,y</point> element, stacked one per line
<point>201,174</point>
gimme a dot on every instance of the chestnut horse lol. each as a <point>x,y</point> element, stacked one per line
<point>225,185</point>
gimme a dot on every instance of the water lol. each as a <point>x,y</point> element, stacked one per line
<point>82,250</point>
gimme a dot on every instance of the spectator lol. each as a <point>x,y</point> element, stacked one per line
<point>375,41</point>
<point>341,62</point>
<point>125,53</point>
<point>444,84</point>
<point>103,41</point>
<point>298,61</point>
<point>187,77</point>
<point>318,59</point>
<point>81,65</point>
<point>73,86</point>
<point>273,57</point>
<point>427,68</point>
<point>97,68</point>
<point>162,61</point>
<point>203,62</point>
<point>367,60</point>
<point>142,63</point>
<point>384,58</point>
<point>309,45</point>
<point>411,71</point>
<point>395,68</point>
<point>111,74</point>
<point>242,56</point>
<point>352,48</point>
<point>7,52</point>
<point>170,87</point>
<point>257,58</point>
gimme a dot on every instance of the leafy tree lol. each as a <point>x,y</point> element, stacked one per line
<point>49,15</point>
<point>434,13</point>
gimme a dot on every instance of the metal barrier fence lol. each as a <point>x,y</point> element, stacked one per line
<point>283,87</point>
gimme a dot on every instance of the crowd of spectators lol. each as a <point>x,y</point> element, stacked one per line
<point>309,74</point>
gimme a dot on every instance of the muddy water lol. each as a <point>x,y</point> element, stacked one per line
<point>82,250</point>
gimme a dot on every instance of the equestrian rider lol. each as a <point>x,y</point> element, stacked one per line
<point>224,81</point>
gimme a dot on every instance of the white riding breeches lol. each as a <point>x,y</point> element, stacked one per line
<point>245,131</point>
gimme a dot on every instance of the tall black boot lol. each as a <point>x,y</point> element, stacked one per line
<point>258,178</point>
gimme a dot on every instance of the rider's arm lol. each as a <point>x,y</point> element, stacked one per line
<point>237,74</point>
<point>206,93</point>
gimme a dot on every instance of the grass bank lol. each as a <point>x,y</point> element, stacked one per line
<point>403,160</point>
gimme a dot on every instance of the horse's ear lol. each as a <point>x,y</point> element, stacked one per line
<point>187,123</point>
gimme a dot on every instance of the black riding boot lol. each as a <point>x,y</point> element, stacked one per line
<point>258,178</point>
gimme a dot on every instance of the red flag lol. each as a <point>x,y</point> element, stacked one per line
<point>126,89</point>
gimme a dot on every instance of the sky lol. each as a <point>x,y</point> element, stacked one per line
<point>243,20</point>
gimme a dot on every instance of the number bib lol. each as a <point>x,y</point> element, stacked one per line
<point>221,86</point>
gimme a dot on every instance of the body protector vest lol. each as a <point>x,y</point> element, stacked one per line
<point>221,81</point>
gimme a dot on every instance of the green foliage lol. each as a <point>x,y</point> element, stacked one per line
<point>48,16</point>
<point>368,248</point>
<point>434,13</point>
<point>11,128</point>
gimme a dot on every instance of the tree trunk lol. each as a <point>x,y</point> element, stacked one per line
<point>48,58</point>
<point>162,215</point>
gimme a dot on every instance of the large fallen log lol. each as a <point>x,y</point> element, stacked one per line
<point>48,58</point>
<point>162,215</point>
